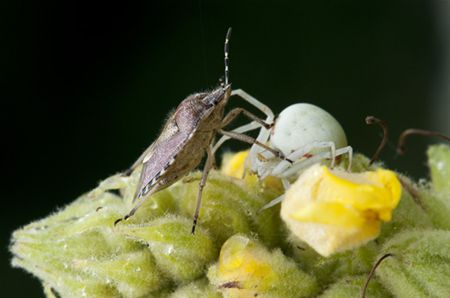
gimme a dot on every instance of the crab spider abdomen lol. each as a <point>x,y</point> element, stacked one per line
<point>301,124</point>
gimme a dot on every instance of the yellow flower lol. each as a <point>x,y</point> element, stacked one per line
<point>247,269</point>
<point>242,260</point>
<point>333,210</point>
<point>234,165</point>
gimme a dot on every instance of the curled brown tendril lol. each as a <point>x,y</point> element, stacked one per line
<point>372,272</point>
<point>370,120</point>
<point>415,131</point>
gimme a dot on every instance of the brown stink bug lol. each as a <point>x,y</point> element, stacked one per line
<point>188,134</point>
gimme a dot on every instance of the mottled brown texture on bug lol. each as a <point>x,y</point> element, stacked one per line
<point>187,135</point>
<point>183,141</point>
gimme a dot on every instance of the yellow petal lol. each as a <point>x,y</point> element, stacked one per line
<point>334,210</point>
<point>240,259</point>
<point>233,164</point>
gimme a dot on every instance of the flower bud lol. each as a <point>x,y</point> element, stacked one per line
<point>55,261</point>
<point>248,269</point>
<point>418,266</point>
<point>330,269</point>
<point>233,164</point>
<point>77,251</point>
<point>199,288</point>
<point>179,254</point>
<point>333,210</point>
<point>439,163</point>
<point>229,206</point>
<point>134,274</point>
<point>154,206</point>
<point>350,286</point>
<point>409,214</point>
<point>436,200</point>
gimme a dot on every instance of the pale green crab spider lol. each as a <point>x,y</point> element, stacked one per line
<point>304,133</point>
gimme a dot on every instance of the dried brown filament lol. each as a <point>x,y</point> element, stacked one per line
<point>370,120</point>
<point>372,272</point>
<point>415,131</point>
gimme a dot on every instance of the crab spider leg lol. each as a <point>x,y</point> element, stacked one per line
<point>257,122</point>
<point>349,151</point>
<point>272,203</point>
<point>254,102</point>
<point>277,200</point>
<point>286,183</point>
<point>251,141</point>
<point>236,111</point>
<point>299,153</point>
<point>304,164</point>
<point>317,157</point>
<point>240,129</point>
<point>264,133</point>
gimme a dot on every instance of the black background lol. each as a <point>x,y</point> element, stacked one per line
<point>86,86</point>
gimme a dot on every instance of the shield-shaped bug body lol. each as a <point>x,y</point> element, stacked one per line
<point>188,134</point>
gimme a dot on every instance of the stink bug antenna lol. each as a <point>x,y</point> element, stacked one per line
<point>226,52</point>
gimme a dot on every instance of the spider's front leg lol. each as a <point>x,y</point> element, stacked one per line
<point>264,133</point>
<point>304,158</point>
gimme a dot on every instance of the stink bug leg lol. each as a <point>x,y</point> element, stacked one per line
<point>208,166</point>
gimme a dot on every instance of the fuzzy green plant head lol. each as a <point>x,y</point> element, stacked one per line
<point>332,229</point>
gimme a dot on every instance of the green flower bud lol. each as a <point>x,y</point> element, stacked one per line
<point>419,266</point>
<point>351,286</point>
<point>199,288</point>
<point>437,200</point>
<point>75,214</point>
<point>179,254</point>
<point>77,252</point>
<point>408,214</point>
<point>133,274</point>
<point>229,206</point>
<point>53,262</point>
<point>330,269</point>
<point>439,163</point>
<point>436,206</point>
<point>217,213</point>
<point>157,205</point>
<point>248,269</point>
